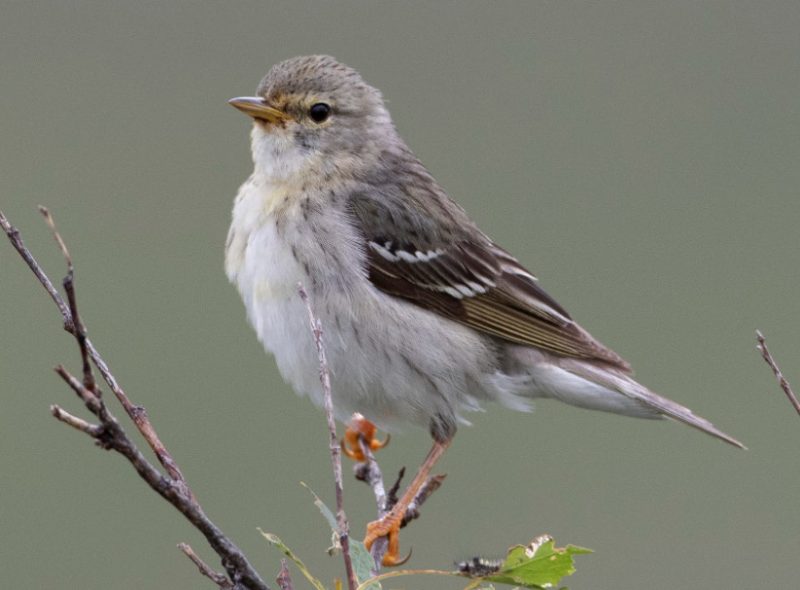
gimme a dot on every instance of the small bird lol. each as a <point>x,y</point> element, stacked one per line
<point>426,316</point>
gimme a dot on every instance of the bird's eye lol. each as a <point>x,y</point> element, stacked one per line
<point>319,112</point>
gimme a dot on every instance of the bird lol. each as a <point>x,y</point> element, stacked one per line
<point>427,318</point>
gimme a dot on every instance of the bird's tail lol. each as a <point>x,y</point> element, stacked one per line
<point>625,385</point>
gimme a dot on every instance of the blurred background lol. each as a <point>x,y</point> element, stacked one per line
<point>640,157</point>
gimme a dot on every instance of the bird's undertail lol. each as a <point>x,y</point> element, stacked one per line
<point>631,389</point>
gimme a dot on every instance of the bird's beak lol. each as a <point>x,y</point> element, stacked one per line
<point>256,107</point>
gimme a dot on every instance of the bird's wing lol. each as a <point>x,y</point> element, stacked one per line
<point>471,280</point>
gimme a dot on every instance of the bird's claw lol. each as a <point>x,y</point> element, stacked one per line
<point>389,527</point>
<point>361,429</point>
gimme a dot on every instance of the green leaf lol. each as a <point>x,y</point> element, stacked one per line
<point>326,512</point>
<point>540,564</point>
<point>360,557</point>
<point>362,564</point>
<point>275,540</point>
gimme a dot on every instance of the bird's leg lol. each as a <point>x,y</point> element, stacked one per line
<point>389,524</point>
<point>360,427</point>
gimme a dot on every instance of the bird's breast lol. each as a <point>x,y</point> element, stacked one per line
<point>262,263</point>
<point>257,206</point>
<point>258,258</point>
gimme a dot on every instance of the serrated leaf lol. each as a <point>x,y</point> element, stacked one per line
<point>275,540</point>
<point>540,564</point>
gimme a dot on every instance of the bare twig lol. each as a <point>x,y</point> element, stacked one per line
<point>51,223</point>
<point>370,472</point>
<point>110,435</point>
<point>16,241</point>
<point>78,329</point>
<point>433,483</point>
<point>787,389</point>
<point>93,430</point>
<point>93,403</point>
<point>219,579</point>
<point>392,496</point>
<point>335,447</point>
<point>68,314</point>
<point>284,579</point>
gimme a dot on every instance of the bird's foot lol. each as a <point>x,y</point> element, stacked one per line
<point>361,428</point>
<point>389,527</point>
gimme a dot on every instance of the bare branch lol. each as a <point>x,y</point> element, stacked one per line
<point>93,430</point>
<point>61,245</point>
<point>787,389</point>
<point>433,483</point>
<point>110,435</point>
<point>335,447</point>
<point>88,397</point>
<point>370,472</point>
<point>136,413</point>
<point>219,579</point>
<point>78,329</point>
<point>16,241</point>
<point>391,496</point>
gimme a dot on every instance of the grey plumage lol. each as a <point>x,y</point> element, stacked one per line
<point>426,316</point>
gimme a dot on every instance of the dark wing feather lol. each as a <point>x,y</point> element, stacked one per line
<point>422,247</point>
<point>478,284</point>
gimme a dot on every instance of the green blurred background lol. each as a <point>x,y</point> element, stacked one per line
<point>640,157</point>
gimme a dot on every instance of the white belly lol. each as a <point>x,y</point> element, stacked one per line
<point>261,264</point>
<point>268,284</point>
<point>389,360</point>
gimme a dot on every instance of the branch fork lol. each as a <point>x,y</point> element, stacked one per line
<point>109,434</point>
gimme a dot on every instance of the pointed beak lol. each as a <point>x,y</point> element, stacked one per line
<point>256,107</point>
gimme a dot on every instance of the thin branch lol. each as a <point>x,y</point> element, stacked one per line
<point>51,223</point>
<point>219,579</point>
<point>370,472</point>
<point>78,328</point>
<point>72,325</point>
<point>335,447</point>
<point>787,389</point>
<point>110,435</point>
<point>392,497</point>
<point>88,397</point>
<point>433,483</point>
<point>398,573</point>
<point>93,430</point>
<point>16,241</point>
<point>136,413</point>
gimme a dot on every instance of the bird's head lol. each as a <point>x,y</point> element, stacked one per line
<point>314,116</point>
